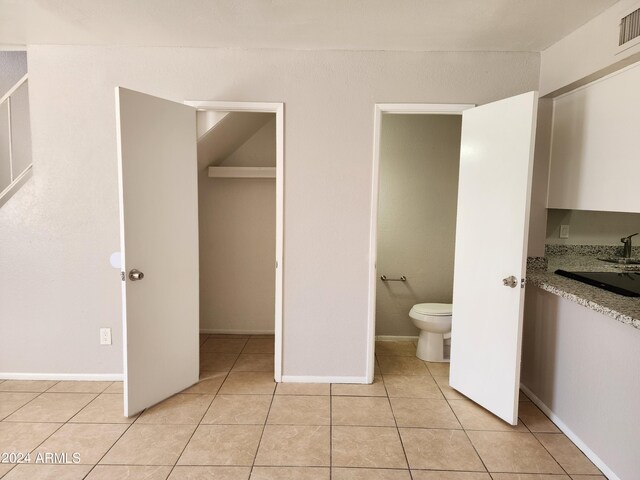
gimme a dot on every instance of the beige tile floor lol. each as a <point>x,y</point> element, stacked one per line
<point>236,423</point>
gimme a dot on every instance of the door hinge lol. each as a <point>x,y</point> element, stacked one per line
<point>122,276</point>
<point>523,282</point>
<point>276,263</point>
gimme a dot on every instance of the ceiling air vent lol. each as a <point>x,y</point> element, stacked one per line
<point>629,27</point>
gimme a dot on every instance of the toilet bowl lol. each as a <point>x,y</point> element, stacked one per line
<point>434,322</point>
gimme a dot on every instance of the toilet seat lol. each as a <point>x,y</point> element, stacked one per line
<point>433,309</point>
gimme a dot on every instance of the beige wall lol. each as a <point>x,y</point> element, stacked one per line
<point>419,162</point>
<point>237,242</point>
<point>57,232</point>
<point>591,228</point>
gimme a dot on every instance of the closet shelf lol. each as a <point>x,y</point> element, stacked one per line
<point>242,172</point>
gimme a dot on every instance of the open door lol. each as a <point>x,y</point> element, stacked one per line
<point>496,160</point>
<point>159,246</point>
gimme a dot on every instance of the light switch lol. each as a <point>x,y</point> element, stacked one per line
<point>564,231</point>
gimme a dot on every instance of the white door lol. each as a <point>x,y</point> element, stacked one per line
<point>159,237</point>
<point>496,161</point>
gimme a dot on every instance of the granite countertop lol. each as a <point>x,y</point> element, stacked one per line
<point>540,273</point>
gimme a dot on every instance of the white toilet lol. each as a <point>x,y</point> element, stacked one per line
<point>434,322</point>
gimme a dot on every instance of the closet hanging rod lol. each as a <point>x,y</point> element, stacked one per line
<point>401,279</point>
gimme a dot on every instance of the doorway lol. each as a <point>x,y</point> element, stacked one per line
<point>158,186</point>
<point>239,196</point>
<point>390,117</point>
<point>492,221</point>
<point>230,171</point>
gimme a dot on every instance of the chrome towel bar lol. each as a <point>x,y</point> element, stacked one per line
<point>401,279</point>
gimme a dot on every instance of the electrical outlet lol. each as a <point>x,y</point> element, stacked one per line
<point>564,231</point>
<point>105,336</point>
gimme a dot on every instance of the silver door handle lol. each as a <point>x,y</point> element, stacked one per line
<point>510,281</point>
<point>135,275</point>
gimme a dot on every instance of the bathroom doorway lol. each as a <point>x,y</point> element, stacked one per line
<point>489,259</point>
<point>419,160</point>
<point>417,186</point>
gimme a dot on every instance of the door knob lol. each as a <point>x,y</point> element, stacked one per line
<point>510,281</point>
<point>135,275</point>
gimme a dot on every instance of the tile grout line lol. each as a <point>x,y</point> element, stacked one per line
<point>173,467</point>
<point>458,419</point>
<point>330,431</point>
<point>551,455</point>
<point>331,395</point>
<point>113,444</point>
<point>62,424</point>
<point>465,433</point>
<point>4,419</point>
<point>264,427</point>
<point>395,421</point>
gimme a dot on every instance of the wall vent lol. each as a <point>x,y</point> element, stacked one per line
<point>629,27</point>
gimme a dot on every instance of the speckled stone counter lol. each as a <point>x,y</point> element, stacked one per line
<point>624,309</point>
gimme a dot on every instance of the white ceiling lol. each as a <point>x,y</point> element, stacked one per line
<point>412,25</point>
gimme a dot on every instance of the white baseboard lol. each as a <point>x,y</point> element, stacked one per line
<point>572,436</point>
<point>395,338</point>
<point>87,377</point>
<point>322,379</point>
<point>222,331</point>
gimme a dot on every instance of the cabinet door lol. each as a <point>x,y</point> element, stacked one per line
<point>594,150</point>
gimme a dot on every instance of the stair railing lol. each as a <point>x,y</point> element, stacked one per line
<point>15,141</point>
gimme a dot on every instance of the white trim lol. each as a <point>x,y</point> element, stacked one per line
<point>379,109</point>
<point>15,185</point>
<point>86,377</point>
<point>597,80</point>
<point>242,172</point>
<point>15,87</point>
<point>423,108</point>
<point>265,107</point>
<point>572,436</point>
<point>278,109</point>
<point>396,338</point>
<point>222,331</point>
<point>323,379</point>
<point>123,285</point>
<point>10,136</point>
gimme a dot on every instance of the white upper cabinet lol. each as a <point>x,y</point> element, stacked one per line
<point>595,147</point>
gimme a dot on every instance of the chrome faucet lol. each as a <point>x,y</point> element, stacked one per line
<point>626,241</point>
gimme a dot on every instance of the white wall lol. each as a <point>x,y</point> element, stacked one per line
<point>584,367</point>
<point>56,234</point>
<point>238,242</point>
<point>589,52</point>
<point>419,163</point>
<point>591,228</point>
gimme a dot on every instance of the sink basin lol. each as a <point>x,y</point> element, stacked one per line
<point>621,260</point>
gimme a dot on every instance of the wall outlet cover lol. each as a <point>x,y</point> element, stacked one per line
<point>564,231</point>
<point>105,336</point>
